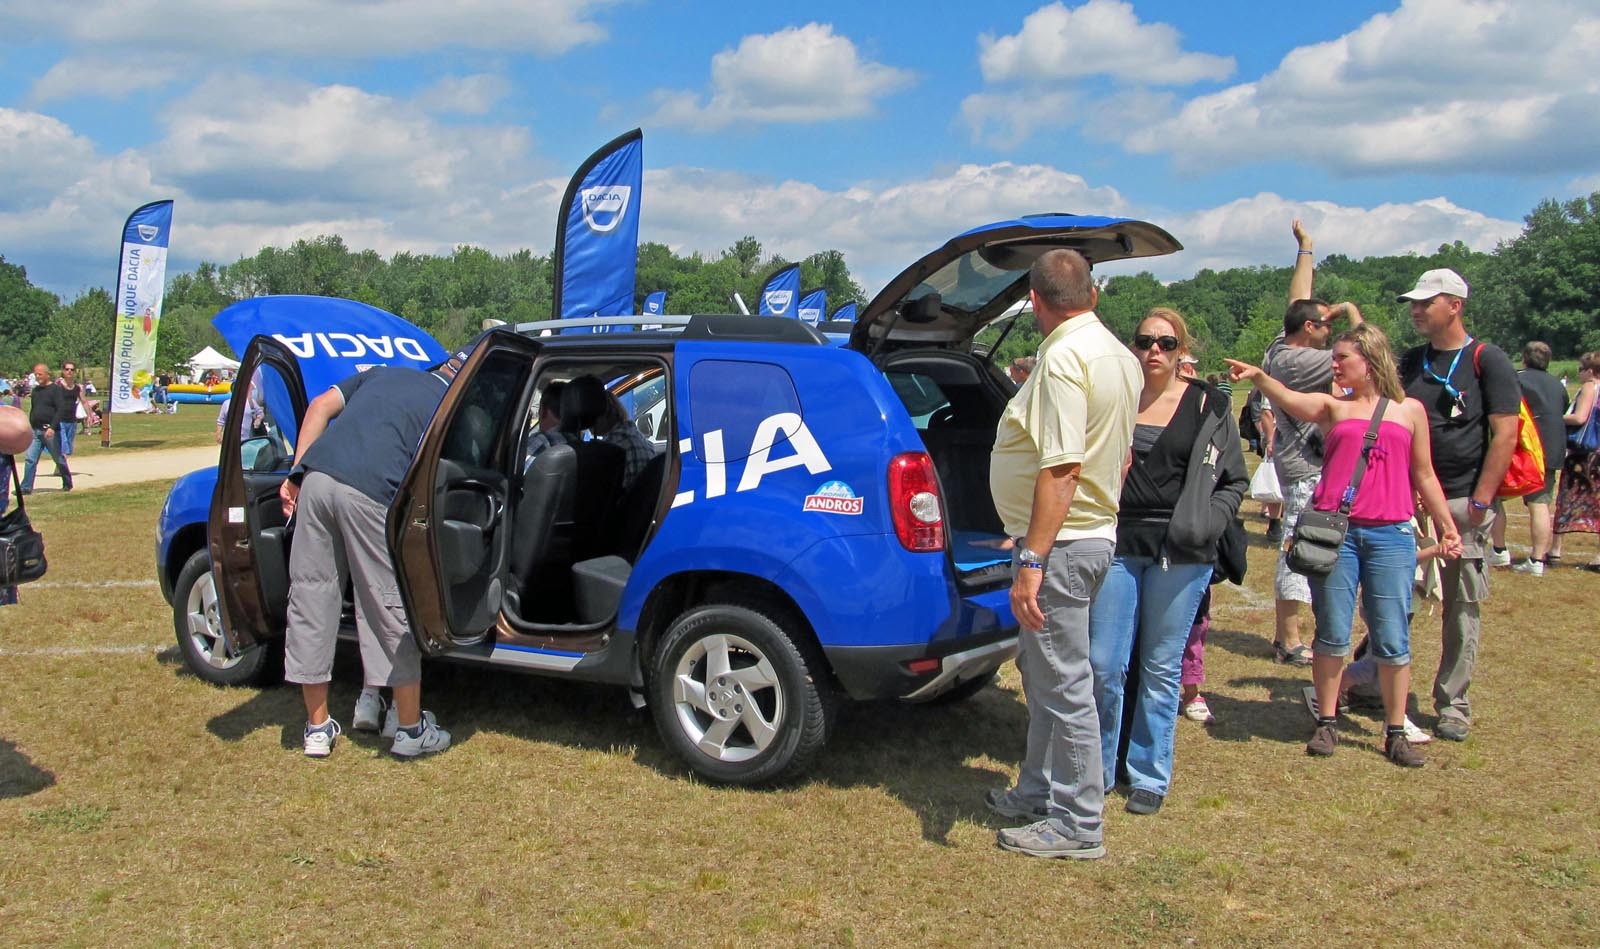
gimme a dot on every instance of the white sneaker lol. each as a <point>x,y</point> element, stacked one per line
<point>1498,558</point>
<point>1534,567</point>
<point>432,740</point>
<point>391,722</point>
<point>1196,710</point>
<point>1416,735</point>
<point>320,738</point>
<point>369,711</point>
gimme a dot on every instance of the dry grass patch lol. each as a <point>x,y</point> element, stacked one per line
<point>139,805</point>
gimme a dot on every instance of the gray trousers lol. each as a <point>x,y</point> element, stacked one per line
<point>1465,584</point>
<point>1062,763</point>
<point>339,534</point>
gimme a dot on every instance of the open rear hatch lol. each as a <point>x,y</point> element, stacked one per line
<point>948,295</point>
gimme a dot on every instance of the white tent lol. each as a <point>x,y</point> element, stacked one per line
<point>208,359</point>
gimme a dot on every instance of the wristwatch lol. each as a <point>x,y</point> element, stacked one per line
<point>1028,558</point>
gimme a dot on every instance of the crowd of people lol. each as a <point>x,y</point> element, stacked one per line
<point>1118,474</point>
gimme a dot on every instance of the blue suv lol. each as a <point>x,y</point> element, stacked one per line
<point>815,524</point>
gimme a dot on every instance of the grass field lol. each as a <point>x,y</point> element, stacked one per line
<point>192,425</point>
<point>141,806</point>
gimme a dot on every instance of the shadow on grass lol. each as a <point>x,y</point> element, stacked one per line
<point>922,754</point>
<point>1240,643</point>
<point>1280,717</point>
<point>19,776</point>
<point>919,754</point>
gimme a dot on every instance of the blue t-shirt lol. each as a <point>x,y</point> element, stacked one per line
<point>369,446</point>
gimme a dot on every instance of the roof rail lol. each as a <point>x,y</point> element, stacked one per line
<point>703,326</point>
<point>772,328</point>
<point>669,324</point>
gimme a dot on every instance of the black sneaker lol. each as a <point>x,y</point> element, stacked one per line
<point>1275,531</point>
<point>1143,802</point>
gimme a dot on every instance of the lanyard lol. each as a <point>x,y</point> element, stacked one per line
<point>1427,367</point>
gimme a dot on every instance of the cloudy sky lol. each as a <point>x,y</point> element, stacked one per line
<point>879,129</point>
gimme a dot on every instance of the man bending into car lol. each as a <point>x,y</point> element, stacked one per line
<point>342,488</point>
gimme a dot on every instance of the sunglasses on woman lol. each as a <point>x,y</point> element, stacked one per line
<point>1143,342</point>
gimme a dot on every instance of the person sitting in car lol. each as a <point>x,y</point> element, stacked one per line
<point>549,430</point>
<point>616,427</point>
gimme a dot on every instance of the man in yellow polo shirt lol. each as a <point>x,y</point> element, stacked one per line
<point>1056,474</point>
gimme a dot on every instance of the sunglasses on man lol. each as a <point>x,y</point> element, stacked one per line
<point>1143,342</point>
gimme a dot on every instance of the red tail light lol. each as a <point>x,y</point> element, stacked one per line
<point>915,503</point>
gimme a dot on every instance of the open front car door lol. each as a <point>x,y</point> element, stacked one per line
<point>450,524</point>
<point>248,534</point>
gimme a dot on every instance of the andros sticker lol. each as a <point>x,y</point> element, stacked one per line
<point>835,497</point>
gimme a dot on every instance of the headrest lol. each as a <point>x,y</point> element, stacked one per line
<point>582,402</point>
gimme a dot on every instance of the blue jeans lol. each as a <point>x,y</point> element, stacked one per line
<point>40,445</point>
<point>1382,560</point>
<point>69,432</point>
<point>1142,610</point>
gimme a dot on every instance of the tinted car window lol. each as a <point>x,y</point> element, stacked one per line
<point>735,397</point>
<point>491,398</point>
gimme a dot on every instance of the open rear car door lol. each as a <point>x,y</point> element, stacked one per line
<point>450,524</point>
<point>247,531</point>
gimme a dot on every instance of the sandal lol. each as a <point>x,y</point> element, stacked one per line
<point>1300,655</point>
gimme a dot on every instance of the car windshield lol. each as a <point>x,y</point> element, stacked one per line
<point>967,283</point>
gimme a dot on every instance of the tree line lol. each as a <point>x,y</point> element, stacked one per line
<point>1542,284</point>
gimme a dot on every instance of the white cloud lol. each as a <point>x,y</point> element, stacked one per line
<point>467,95</point>
<point>337,146</point>
<point>113,40</point>
<point>101,76</point>
<point>305,28</point>
<point>1255,230</point>
<point>252,163</point>
<point>880,228</point>
<point>1585,185</point>
<point>883,228</point>
<point>1450,86</point>
<point>1006,120</point>
<point>798,74</point>
<point>39,157</point>
<point>1101,37</point>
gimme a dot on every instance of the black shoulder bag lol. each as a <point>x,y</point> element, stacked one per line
<point>21,547</point>
<point>1318,535</point>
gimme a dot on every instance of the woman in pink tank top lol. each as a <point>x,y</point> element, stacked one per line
<point>1379,554</point>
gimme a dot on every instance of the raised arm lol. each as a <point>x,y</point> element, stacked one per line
<point>1304,264</point>
<point>1313,407</point>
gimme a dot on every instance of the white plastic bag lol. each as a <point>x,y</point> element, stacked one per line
<point>1264,483</point>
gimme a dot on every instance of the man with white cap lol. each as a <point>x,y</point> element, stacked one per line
<point>1472,396</point>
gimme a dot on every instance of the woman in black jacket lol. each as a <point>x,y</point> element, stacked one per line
<point>1185,479</point>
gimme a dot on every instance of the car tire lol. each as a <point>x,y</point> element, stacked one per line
<point>761,722</point>
<point>197,621</point>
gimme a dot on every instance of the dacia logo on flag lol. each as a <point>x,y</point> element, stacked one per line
<point>778,300</point>
<point>604,207</point>
<point>148,232</point>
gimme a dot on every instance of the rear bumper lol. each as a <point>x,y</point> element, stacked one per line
<point>879,672</point>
